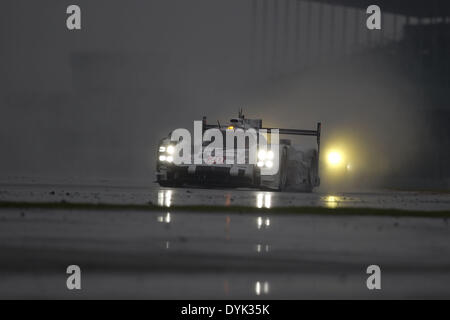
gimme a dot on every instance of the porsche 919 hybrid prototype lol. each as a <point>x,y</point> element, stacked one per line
<point>298,169</point>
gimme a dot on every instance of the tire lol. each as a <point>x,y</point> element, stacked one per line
<point>283,172</point>
<point>167,184</point>
<point>170,184</point>
<point>312,174</point>
<point>309,187</point>
<point>314,170</point>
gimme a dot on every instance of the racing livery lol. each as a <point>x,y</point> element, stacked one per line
<point>298,170</point>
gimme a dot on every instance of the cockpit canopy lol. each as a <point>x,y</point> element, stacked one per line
<point>243,123</point>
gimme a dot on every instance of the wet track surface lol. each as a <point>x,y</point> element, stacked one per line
<point>220,197</point>
<point>185,255</point>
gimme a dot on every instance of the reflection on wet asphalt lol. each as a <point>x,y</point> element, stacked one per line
<point>259,199</point>
<point>228,197</point>
<point>185,255</point>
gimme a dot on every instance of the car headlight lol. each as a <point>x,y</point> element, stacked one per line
<point>269,164</point>
<point>170,149</point>
<point>265,158</point>
<point>262,155</point>
<point>169,159</point>
<point>162,149</point>
<point>162,158</point>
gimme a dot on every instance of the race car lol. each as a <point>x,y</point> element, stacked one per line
<point>297,170</point>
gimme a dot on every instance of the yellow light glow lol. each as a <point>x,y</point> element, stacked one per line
<point>332,202</point>
<point>230,128</point>
<point>334,158</point>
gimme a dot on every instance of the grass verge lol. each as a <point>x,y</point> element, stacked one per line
<point>227,209</point>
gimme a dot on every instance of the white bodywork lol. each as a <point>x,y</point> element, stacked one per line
<point>297,169</point>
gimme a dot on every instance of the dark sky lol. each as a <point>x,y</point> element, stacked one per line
<point>92,104</point>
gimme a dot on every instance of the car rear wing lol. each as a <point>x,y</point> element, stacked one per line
<point>311,133</point>
<point>297,132</point>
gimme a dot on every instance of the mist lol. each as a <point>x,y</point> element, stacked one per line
<point>93,104</point>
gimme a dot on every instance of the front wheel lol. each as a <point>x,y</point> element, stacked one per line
<point>170,183</point>
<point>167,184</point>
